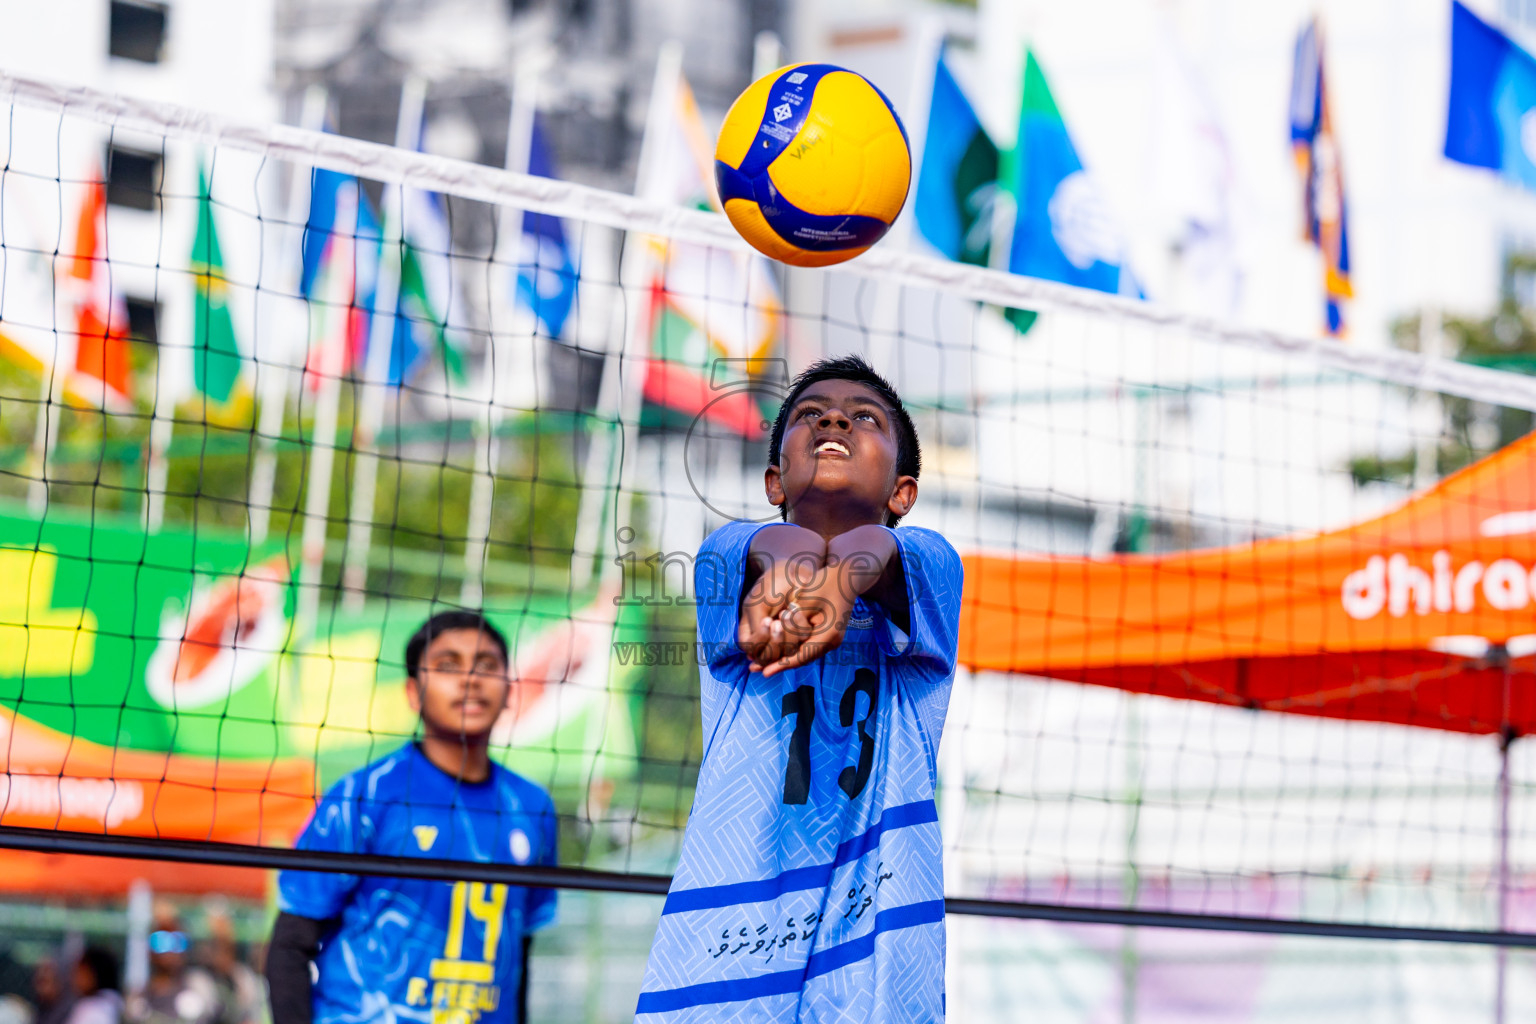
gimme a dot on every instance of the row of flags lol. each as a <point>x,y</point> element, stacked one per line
<point>1037,202</point>
<point>1034,201</point>
<point>342,260</point>
<point>1030,208</point>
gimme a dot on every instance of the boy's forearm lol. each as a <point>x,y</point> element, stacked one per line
<point>784,544</point>
<point>862,555</point>
<point>867,560</point>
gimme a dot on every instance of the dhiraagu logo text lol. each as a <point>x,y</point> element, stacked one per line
<point>1397,586</point>
<point>460,988</point>
<point>37,639</point>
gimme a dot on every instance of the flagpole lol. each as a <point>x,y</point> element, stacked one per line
<point>499,386</point>
<point>275,385</point>
<point>928,42</point>
<point>929,35</point>
<point>381,338</point>
<point>51,400</point>
<point>317,497</point>
<point>767,53</point>
<point>619,395</point>
<point>162,425</point>
<point>174,362</point>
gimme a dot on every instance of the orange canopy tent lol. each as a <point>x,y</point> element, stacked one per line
<point>1424,616</point>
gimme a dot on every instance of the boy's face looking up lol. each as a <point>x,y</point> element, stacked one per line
<point>461,684</point>
<point>838,458</point>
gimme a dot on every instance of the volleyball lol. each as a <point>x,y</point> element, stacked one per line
<point>812,164</point>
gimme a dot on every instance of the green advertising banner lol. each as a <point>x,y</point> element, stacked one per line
<point>183,643</point>
<point>168,642</point>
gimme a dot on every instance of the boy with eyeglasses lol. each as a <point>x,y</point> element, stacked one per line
<point>408,949</point>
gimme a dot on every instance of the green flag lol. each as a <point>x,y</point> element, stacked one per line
<point>959,181</point>
<point>215,353</point>
<point>1062,229</point>
<point>419,329</point>
<point>425,290</point>
<point>957,185</point>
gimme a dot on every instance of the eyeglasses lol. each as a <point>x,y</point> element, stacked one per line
<point>167,942</point>
<point>487,671</point>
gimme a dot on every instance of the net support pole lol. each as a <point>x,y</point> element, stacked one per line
<point>275,379</point>
<point>1130,951</point>
<point>498,374</point>
<point>619,399</point>
<point>1501,955</point>
<point>381,336</point>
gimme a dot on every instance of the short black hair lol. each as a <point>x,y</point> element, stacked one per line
<point>909,453</point>
<point>102,963</point>
<point>442,623</point>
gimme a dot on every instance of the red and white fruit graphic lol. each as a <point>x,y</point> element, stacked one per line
<point>225,637</point>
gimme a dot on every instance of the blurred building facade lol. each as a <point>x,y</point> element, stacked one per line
<point>598,58</point>
<point>177,51</point>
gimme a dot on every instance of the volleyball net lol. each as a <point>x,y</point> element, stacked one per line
<point>1249,619</point>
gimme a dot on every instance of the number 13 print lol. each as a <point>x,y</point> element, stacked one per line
<point>802,704</point>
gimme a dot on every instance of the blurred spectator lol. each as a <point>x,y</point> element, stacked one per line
<point>177,992</point>
<point>52,997</point>
<point>15,1010</point>
<point>96,981</point>
<point>242,991</point>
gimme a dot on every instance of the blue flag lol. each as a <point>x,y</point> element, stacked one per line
<point>1062,230</point>
<point>546,276</point>
<point>957,183</point>
<point>1325,207</point>
<point>1493,100</point>
<point>342,241</point>
<point>324,190</point>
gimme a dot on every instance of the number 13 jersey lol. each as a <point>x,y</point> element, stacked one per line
<point>810,886</point>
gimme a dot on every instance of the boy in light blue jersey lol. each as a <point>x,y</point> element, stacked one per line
<point>810,886</point>
<point>394,949</point>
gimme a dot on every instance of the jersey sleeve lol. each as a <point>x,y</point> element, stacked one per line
<point>718,573</point>
<point>336,827</point>
<point>935,577</point>
<point>541,902</point>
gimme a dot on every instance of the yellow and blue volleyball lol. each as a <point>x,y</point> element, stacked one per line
<point>812,164</point>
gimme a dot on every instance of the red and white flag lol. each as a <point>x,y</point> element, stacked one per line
<point>97,310</point>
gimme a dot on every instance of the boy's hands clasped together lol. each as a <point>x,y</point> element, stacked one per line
<point>799,605</point>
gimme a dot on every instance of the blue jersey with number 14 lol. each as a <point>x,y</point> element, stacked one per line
<point>407,949</point>
<point>810,886</point>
